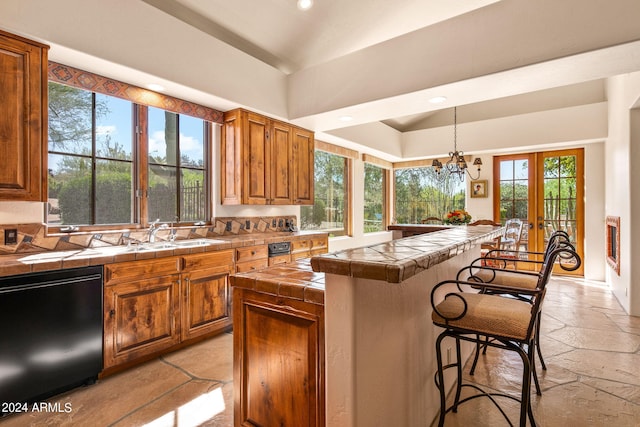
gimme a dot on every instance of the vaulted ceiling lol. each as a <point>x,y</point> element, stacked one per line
<point>378,61</point>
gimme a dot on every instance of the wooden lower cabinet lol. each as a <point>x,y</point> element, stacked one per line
<point>278,361</point>
<point>206,298</point>
<point>179,299</point>
<point>140,318</point>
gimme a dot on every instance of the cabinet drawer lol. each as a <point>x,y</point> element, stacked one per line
<point>123,271</point>
<point>300,245</point>
<point>251,253</point>
<point>222,260</point>
<point>258,264</point>
<point>319,242</point>
<point>280,259</point>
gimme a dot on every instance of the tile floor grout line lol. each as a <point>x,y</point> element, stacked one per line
<point>133,411</point>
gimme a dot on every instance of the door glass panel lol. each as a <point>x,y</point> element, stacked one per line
<point>560,195</point>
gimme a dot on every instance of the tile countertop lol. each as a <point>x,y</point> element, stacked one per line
<point>397,260</point>
<point>393,262</point>
<point>56,260</point>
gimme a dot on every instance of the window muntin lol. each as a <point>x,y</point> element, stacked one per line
<point>419,194</point>
<point>374,198</point>
<point>330,209</point>
<point>93,155</point>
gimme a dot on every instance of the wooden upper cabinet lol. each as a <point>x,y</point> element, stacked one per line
<point>303,163</point>
<point>258,161</point>
<point>23,118</point>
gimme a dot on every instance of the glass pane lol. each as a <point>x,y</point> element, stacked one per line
<point>191,142</point>
<point>192,204</point>
<point>506,210</point>
<point>113,192</point>
<point>114,128</point>
<point>506,169</point>
<point>551,167</point>
<point>521,189</point>
<point>163,203</point>
<point>70,123</point>
<point>520,209</point>
<point>521,169</point>
<point>506,190</point>
<point>328,212</point>
<point>568,188</point>
<point>551,189</point>
<point>163,139</point>
<point>69,190</point>
<point>373,198</point>
<point>568,166</point>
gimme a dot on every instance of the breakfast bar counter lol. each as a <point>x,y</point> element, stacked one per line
<point>370,334</point>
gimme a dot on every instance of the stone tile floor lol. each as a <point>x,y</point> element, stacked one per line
<point>590,345</point>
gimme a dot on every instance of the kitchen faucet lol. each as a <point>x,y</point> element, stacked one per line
<point>154,228</point>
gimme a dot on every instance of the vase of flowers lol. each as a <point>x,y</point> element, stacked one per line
<point>457,217</point>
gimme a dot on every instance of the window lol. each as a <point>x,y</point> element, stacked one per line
<point>176,153</point>
<point>375,179</point>
<point>330,209</point>
<point>420,194</point>
<point>96,169</point>
<point>90,157</point>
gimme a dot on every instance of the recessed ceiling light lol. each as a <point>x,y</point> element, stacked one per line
<point>438,99</point>
<point>346,118</point>
<point>155,87</point>
<point>305,4</point>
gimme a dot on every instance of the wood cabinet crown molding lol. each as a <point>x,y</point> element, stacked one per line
<point>264,161</point>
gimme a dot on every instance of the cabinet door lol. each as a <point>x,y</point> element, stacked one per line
<point>255,152</point>
<point>281,164</point>
<point>302,181</point>
<point>23,141</point>
<point>231,159</point>
<point>141,318</point>
<point>278,361</point>
<point>206,303</point>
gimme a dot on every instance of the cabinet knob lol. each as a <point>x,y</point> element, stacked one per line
<point>112,313</point>
<point>253,252</point>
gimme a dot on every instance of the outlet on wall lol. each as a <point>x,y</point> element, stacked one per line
<point>10,236</point>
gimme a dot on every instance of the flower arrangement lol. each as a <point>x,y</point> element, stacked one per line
<point>457,216</point>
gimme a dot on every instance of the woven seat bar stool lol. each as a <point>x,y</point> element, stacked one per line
<point>519,279</point>
<point>469,312</point>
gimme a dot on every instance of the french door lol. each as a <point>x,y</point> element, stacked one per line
<point>546,191</point>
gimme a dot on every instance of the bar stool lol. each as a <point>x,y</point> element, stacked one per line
<point>468,312</point>
<point>478,271</point>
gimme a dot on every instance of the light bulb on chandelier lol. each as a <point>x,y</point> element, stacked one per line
<point>456,165</point>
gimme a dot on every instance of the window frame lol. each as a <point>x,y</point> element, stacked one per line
<point>141,99</point>
<point>386,168</point>
<point>349,156</point>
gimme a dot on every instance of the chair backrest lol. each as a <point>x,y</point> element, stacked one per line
<point>485,222</point>
<point>512,235</point>
<point>432,220</point>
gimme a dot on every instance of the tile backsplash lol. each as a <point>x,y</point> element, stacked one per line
<point>33,238</point>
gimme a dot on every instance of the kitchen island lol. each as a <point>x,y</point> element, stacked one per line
<point>369,340</point>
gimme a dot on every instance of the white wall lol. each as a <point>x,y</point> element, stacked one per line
<point>21,212</point>
<point>621,199</point>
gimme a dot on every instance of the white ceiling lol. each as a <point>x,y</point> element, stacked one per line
<point>377,60</point>
<point>279,34</point>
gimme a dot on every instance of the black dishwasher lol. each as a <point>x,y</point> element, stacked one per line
<point>50,332</point>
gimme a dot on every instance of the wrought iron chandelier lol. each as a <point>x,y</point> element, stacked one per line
<point>456,165</point>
